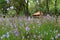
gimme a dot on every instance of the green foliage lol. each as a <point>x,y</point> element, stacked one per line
<point>33,5</point>
<point>11,12</point>
<point>2,3</point>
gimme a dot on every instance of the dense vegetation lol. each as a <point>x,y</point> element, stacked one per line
<point>17,21</point>
<point>34,29</point>
<point>28,7</point>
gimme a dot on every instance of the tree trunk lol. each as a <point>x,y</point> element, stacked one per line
<point>26,9</point>
<point>56,10</point>
<point>17,11</point>
<point>47,6</point>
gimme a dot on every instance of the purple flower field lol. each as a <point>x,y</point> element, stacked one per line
<point>29,29</point>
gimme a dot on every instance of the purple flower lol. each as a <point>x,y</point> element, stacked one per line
<point>3,19</point>
<point>16,32</point>
<point>27,28</point>
<point>11,25</point>
<point>48,17</point>
<point>28,18</point>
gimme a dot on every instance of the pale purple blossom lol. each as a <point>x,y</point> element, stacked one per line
<point>27,28</point>
<point>48,17</point>
<point>11,25</point>
<point>2,19</point>
<point>16,32</point>
<point>29,18</point>
<point>7,20</point>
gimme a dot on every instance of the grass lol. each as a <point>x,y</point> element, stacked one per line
<point>35,29</point>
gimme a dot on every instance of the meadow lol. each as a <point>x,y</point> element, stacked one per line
<point>29,29</point>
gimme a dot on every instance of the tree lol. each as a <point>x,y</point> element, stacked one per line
<point>26,8</point>
<point>56,10</point>
<point>47,6</point>
<point>20,5</point>
<point>3,6</point>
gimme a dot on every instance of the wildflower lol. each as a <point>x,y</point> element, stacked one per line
<point>33,26</point>
<point>11,24</point>
<point>10,31</point>
<point>34,36</point>
<point>50,30</point>
<point>48,17</point>
<point>39,36</point>
<point>56,36</point>
<point>46,33</point>
<point>16,32</point>
<point>28,18</point>
<point>27,28</point>
<point>59,35</point>
<point>27,36</point>
<point>2,28</point>
<point>15,25</point>
<point>27,32</point>
<point>52,38</point>
<point>38,22</point>
<point>7,35</point>
<point>12,7</point>
<point>8,9</point>
<point>7,20</point>
<point>2,19</point>
<point>56,31</point>
<point>3,36</point>
<point>22,37</point>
